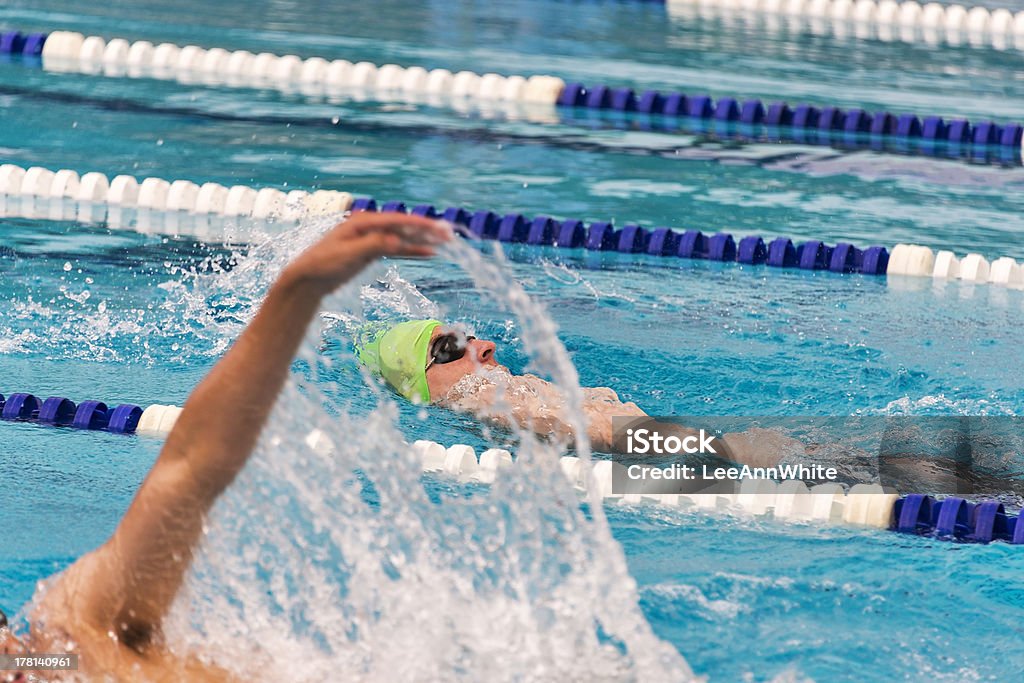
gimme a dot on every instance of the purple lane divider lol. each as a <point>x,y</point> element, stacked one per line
<point>542,231</point>
<point>484,224</point>
<point>634,239</point>
<point>20,406</point>
<point>805,116</point>
<point>513,228</point>
<point>600,236</point>
<point>571,235</point>
<point>456,216</point>
<point>663,242</point>
<point>752,250</point>
<point>34,43</point>
<point>425,210</point>
<point>692,244</point>
<point>722,247</point>
<point>59,412</point>
<point>651,102</point>
<point>752,112</point>
<point>799,116</point>
<point>676,104</point>
<point>781,253</point>
<point>11,42</point>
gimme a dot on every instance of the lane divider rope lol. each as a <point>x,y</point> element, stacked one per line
<point>157,194</point>
<point>62,412</point>
<point>72,52</point>
<point>781,252</point>
<point>867,505</point>
<point>930,135</point>
<point>917,261</point>
<point>183,196</point>
<point>64,51</point>
<point>632,238</point>
<point>844,140</point>
<point>884,20</point>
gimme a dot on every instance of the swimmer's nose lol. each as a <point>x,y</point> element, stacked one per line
<point>483,350</point>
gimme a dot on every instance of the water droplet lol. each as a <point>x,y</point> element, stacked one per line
<point>8,258</point>
<point>160,142</point>
<point>336,120</point>
<point>67,266</point>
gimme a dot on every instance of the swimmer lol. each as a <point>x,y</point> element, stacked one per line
<point>108,607</point>
<point>426,361</point>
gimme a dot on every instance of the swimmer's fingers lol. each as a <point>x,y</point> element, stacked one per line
<point>358,241</point>
<point>375,245</point>
<point>409,229</point>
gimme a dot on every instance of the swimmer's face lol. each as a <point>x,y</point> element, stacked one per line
<point>442,376</point>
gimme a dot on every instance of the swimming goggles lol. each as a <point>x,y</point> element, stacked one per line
<point>448,347</point>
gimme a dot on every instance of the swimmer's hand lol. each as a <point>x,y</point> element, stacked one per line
<point>359,240</point>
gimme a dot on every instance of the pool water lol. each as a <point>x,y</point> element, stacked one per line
<point>120,316</point>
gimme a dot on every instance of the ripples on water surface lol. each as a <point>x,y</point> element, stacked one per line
<point>125,317</point>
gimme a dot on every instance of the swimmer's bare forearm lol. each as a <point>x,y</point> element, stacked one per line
<point>130,582</point>
<point>229,407</point>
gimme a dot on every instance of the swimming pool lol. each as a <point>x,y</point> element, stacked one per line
<point>735,596</point>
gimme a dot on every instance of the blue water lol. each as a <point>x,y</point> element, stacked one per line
<point>737,597</point>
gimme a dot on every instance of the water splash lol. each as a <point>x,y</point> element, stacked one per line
<point>345,562</point>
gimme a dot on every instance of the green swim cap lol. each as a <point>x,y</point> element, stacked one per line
<point>399,355</point>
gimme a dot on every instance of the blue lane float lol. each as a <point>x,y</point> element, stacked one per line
<point>856,132</point>
<point>58,411</point>
<point>806,123</point>
<point>828,118</point>
<point>956,519</point>
<point>13,43</point>
<point>634,239</point>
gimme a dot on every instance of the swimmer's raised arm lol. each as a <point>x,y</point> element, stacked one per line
<point>128,584</point>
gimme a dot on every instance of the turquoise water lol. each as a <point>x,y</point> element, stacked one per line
<point>737,597</point>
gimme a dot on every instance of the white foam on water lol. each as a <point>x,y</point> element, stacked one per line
<point>341,566</point>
